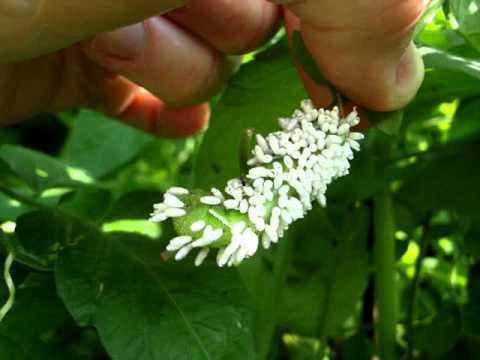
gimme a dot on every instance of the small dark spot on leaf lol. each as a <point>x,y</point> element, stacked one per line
<point>216,168</point>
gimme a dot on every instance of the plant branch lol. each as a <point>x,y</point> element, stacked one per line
<point>10,286</point>
<point>424,242</point>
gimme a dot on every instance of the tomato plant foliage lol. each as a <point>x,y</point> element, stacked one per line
<point>92,279</point>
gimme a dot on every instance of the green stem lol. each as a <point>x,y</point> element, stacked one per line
<point>268,311</point>
<point>424,242</point>
<point>385,289</point>
<point>10,286</point>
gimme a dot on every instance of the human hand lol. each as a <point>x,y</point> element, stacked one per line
<point>155,74</point>
<point>363,48</point>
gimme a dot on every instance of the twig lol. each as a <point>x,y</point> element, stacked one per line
<point>10,286</point>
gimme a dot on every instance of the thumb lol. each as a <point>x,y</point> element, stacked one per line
<point>31,28</point>
<point>363,48</point>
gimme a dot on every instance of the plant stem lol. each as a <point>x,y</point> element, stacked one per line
<point>10,286</point>
<point>268,311</point>
<point>385,289</point>
<point>424,242</point>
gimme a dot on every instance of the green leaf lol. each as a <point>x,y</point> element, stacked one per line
<point>472,240</point>
<point>146,309</point>
<point>22,255</point>
<point>357,347</point>
<point>135,205</point>
<point>38,170</point>
<point>39,235</point>
<point>471,310</point>
<point>101,145</point>
<point>438,59</point>
<point>467,13</point>
<point>389,123</point>
<point>37,311</point>
<point>10,209</point>
<point>319,298</point>
<point>262,91</point>
<point>432,8</point>
<point>41,232</point>
<point>367,173</point>
<point>439,336</point>
<point>447,181</point>
<point>89,204</point>
<point>445,85</point>
<point>466,125</point>
<point>448,76</point>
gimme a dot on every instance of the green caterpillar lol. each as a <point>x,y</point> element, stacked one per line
<point>289,170</point>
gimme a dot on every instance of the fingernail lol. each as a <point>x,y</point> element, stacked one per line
<point>126,43</point>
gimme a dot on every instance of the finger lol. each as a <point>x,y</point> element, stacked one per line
<point>141,109</point>
<point>167,60</point>
<point>364,48</point>
<point>34,27</point>
<point>321,95</point>
<point>69,79</point>
<point>233,27</point>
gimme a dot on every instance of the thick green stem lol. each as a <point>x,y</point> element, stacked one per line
<point>268,311</point>
<point>385,289</point>
<point>10,286</point>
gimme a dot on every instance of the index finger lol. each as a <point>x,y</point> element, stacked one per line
<point>31,28</point>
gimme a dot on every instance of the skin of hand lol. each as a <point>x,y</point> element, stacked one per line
<point>364,48</point>
<point>154,64</point>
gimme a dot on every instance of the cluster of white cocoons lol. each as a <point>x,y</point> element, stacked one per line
<point>289,170</point>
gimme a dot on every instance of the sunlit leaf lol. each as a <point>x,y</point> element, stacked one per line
<point>467,13</point>
<point>101,145</point>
